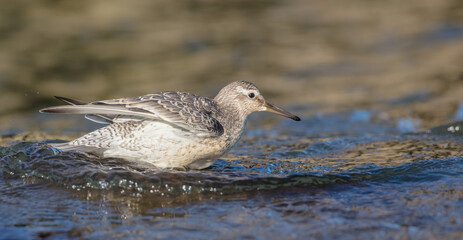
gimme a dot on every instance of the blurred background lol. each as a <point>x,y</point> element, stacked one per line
<point>403,58</point>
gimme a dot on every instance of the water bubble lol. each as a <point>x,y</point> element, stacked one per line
<point>453,129</point>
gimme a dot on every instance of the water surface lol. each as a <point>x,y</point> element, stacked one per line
<point>362,178</point>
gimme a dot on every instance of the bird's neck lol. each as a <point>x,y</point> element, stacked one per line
<point>232,119</point>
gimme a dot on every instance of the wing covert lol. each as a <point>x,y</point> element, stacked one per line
<point>182,109</point>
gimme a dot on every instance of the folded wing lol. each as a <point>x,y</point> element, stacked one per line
<point>183,110</point>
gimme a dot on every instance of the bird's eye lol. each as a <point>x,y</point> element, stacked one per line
<point>251,95</point>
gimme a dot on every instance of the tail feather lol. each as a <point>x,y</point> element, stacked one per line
<point>99,118</point>
<point>98,110</point>
<point>100,113</point>
<point>71,101</point>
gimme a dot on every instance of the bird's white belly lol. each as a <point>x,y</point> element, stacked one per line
<point>166,146</point>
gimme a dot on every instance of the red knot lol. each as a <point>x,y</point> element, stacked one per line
<point>168,129</point>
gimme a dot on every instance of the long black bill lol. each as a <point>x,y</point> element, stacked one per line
<point>274,109</point>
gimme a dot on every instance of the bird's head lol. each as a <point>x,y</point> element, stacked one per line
<point>246,98</point>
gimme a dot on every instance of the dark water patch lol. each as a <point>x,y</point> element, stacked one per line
<point>9,133</point>
<point>196,45</point>
<point>444,33</point>
<point>28,212</point>
<point>453,129</point>
<point>422,171</point>
<point>414,97</point>
<point>440,34</point>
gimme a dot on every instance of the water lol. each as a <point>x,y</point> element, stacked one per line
<point>324,178</point>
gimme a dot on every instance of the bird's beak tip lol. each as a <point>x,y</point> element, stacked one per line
<point>274,109</point>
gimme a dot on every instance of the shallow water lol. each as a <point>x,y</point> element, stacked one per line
<point>330,176</point>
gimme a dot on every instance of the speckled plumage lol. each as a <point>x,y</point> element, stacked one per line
<point>168,129</point>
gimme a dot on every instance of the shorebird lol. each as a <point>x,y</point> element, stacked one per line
<point>168,129</point>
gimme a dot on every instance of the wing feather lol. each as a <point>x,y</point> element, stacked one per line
<point>184,110</point>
